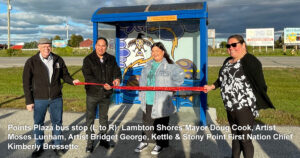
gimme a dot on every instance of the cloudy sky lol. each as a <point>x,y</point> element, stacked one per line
<point>33,19</point>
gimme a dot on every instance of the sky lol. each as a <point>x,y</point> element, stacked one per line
<point>34,19</point>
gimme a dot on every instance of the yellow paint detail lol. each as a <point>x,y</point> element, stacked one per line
<point>162,18</point>
<point>191,70</point>
<point>175,40</point>
<point>140,61</point>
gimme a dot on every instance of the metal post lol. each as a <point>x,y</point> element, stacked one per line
<point>203,69</point>
<point>214,44</point>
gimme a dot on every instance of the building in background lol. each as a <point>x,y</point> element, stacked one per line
<point>88,43</point>
<point>18,46</point>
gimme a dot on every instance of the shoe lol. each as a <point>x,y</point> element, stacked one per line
<point>106,144</point>
<point>37,153</point>
<point>90,147</point>
<point>140,147</point>
<point>156,150</point>
<point>59,152</point>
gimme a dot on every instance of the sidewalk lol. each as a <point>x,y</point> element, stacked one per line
<point>211,141</point>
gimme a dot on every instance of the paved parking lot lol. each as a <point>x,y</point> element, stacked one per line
<point>189,140</point>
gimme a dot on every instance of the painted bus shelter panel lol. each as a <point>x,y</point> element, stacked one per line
<point>181,39</point>
<point>182,28</point>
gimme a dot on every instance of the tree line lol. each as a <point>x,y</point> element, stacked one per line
<point>72,42</point>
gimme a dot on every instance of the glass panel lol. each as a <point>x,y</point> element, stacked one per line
<point>109,32</point>
<point>181,39</point>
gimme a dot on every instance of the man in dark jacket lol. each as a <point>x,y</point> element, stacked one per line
<point>42,89</point>
<point>99,67</point>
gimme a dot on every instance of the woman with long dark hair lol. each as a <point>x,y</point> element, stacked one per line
<point>244,92</point>
<point>157,106</point>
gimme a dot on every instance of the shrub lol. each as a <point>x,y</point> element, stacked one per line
<point>67,51</point>
<point>12,52</point>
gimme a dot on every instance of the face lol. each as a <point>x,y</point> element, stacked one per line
<point>157,54</point>
<point>237,51</point>
<point>45,50</point>
<point>100,47</point>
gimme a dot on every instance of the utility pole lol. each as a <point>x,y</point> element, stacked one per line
<point>67,27</point>
<point>8,23</point>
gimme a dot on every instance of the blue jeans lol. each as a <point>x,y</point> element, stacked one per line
<point>55,110</point>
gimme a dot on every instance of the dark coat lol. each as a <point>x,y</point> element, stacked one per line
<point>36,83</point>
<point>254,73</point>
<point>96,72</point>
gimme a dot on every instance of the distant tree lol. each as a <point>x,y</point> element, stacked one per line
<point>57,38</point>
<point>278,43</point>
<point>3,46</point>
<point>75,40</point>
<point>223,44</point>
<point>30,45</point>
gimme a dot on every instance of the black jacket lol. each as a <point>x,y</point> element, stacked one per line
<point>96,72</point>
<point>253,71</point>
<point>36,83</point>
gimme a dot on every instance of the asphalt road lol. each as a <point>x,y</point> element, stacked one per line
<point>287,62</point>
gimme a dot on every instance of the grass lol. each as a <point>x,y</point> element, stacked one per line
<point>68,51</point>
<point>11,91</point>
<point>60,51</point>
<point>283,89</point>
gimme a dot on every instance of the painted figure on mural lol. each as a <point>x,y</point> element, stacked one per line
<point>139,43</point>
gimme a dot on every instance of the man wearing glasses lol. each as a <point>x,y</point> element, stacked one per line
<point>42,89</point>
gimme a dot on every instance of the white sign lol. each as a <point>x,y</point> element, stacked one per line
<point>292,36</point>
<point>59,43</point>
<point>211,33</point>
<point>260,37</point>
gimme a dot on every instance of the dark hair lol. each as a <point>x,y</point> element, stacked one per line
<point>102,38</point>
<point>237,37</point>
<point>162,47</point>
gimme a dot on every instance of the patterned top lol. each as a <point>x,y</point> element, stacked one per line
<point>235,88</point>
<point>151,83</point>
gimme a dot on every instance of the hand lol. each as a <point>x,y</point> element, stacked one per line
<point>208,88</point>
<point>107,86</point>
<point>75,81</point>
<point>116,82</point>
<point>29,107</point>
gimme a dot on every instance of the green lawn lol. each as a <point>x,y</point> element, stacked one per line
<point>68,51</point>
<point>283,89</point>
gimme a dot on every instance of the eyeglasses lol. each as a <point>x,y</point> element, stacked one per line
<point>232,44</point>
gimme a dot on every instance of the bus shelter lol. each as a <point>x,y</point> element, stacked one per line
<point>131,31</point>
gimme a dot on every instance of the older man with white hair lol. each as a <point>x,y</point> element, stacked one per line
<point>42,88</point>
